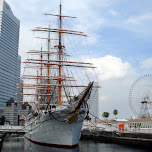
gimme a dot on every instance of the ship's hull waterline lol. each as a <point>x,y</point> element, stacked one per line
<point>53,129</point>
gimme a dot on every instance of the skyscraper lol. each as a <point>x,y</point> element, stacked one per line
<point>93,103</point>
<point>9,58</point>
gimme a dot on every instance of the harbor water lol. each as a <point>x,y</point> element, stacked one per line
<point>20,144</point>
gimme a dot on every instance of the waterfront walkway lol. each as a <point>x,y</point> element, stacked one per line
<point>89,125</point>
<point>115,127</point>
<point>10,128</point>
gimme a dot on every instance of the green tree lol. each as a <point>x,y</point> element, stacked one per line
<point>105,115</point>
<point>87,117</point>
<point>2,120</point>
<point>115,112</point>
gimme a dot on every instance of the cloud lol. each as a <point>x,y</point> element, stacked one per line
<point>89,21</point>
<point>85,4</point>
<point>116,78</point>
<point>147,64</point>
<point>110,67</point>
<point>140,19</point>
<point>114,95</point>
<point>140,24</point>
<point>113,12</point>
<point>103,98</point>
<point>115,75</point>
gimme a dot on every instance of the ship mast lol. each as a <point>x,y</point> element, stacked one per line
<point>41,77</point>
<point>48,68</point>
<point>60,49</point>
<point>37,97</point>
<point>47,81</point>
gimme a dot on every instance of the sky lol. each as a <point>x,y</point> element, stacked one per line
<point>119,42</point>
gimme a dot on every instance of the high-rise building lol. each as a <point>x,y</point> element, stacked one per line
<point>9,58</point>
<point>93,103</point>
<point>11,112</point>
<point>18,76</point>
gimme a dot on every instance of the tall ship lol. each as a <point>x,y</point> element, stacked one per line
<point>50,86</point>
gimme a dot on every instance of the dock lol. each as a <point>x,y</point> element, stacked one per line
<point>107,133</point>
<point>11,129</point>
<point>143,140</point>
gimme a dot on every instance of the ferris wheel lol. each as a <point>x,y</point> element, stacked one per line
<point>140,96</point>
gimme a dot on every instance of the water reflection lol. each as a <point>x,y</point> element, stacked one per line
<point>92,146</point>
<point>18,144</point>
<point>21,144</point>
<point>13,144</point>
<point>31,147</point>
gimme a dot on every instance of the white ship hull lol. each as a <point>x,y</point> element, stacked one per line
<point>54,130</point>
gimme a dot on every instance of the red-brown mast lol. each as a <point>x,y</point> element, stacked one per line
<point>48,67</point>
<point>51,63</point>
<point>37,95</point>
<point>41,77</point>
<point>60,49</point>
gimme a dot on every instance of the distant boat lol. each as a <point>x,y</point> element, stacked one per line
<point>59,116</point>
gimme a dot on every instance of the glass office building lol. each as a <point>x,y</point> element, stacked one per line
<point>10,61</point>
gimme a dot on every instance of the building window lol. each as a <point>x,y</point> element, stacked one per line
<point>15,104</point>
<point>23,107</point>
<point>8,105</point>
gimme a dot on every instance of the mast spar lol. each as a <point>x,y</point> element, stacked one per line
<point>48,66</point>
<point>50,63</point>
<point>60,51</point>
<point>56,107</point>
